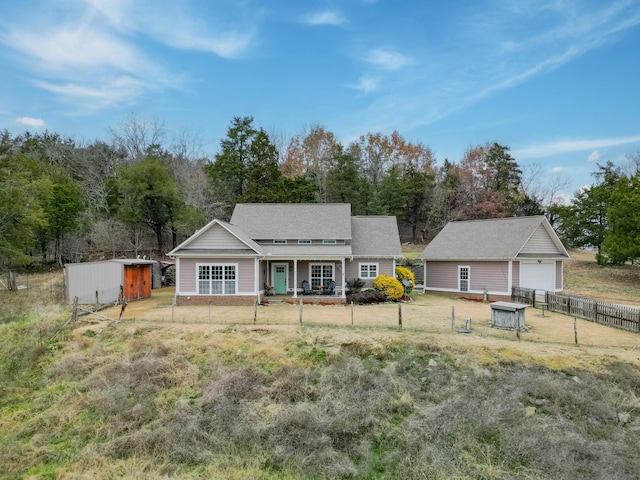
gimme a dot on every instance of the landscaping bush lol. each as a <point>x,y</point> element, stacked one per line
<point>366,298</point>
<point>390,287</point>
<point>403,273</point>
<point>354,286</point>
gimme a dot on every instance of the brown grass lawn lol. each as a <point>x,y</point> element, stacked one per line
<point>550,340</point>
<point>615,284</point>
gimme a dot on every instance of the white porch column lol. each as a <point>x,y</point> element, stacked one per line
<point>343,293</point>
<point>295,278</point>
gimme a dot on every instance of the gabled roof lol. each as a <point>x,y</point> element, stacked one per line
<point>366,236</point>
<point>375,236</point>
<point>496,239</point>
<point>266,221</point>
<point>191,244</point>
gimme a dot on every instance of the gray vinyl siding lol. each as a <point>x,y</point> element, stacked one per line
<point>442,275</point>
<point>385,267</point>
<point>216,238</point>
<point>492,276</point>
<point>540,243</point>
<point>515,274</point>
<point>189,274</point>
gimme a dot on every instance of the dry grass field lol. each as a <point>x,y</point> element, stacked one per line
<point>194,393</point>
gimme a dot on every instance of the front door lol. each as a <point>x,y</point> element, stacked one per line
<point>280,271</point>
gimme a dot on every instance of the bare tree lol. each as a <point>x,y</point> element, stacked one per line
<point>136,135</point>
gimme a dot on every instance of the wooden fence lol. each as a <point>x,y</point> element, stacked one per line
<point>624,317</point>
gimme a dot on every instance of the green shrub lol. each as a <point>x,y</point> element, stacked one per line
<point>354,286</point>
<point>403,273</point>
<point>390,287</point>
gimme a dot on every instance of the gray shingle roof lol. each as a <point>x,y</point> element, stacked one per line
<point>315,250</point>
<point>375,236</point>
<point>500,238</point>
<point>262,221</point>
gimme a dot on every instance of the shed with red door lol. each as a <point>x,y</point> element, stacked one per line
<point>101,282</point>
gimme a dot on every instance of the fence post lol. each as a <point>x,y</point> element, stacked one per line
<point>300,318</point>
<point>575,329</point>
<point>352,313</point>
<point>399,316</point>
<point>255,311</point>
<point>453,318</point>
<point>209,312</point>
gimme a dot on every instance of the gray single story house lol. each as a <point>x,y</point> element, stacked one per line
<point>290,250</point>
<point>490,257</point>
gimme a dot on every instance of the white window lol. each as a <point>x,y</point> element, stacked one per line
<point>321,274</point>
<point>329,242</point>
<point>217,279</point>
<point>304,242</point>
<point>280,242</point>
<point>464,277</point>
<point>368,270</point>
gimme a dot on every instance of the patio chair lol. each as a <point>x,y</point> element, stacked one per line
<point>306,288</point>
<point>330,288</point>
<point>269,289</point>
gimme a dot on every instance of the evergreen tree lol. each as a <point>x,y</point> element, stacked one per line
<point>622,240</point>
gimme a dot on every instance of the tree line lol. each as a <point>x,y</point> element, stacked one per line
<point>62,201</point>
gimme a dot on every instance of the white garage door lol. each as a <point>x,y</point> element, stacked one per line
<point>537,275</point>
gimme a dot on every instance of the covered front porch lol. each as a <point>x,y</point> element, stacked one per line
<point>311,279</point>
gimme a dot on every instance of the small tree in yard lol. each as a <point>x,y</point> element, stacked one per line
<point>390,287</point>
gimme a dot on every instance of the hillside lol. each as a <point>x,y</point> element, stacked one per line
<point>231,400</point>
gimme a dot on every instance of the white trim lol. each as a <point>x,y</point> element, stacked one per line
<point>376,264</point>
<point>206,228</point>
<point>468,267</point>
<point>453,290</point>
<point>286,274</point>
<point>227,264</point>
<point>333,270</point>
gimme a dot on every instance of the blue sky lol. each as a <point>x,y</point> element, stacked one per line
<point>556,80</point>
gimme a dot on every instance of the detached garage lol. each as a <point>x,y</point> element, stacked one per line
<point>489,257</point>
<point>100,282</point>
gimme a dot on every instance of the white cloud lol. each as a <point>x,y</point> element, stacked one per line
<point>101,94</point>
<point>31,122</point>
<point>96,53</point>
<point>324,18</point>
<point>366,85</point>
<point>387,59</point>
<point>558,170</point>
<point>567,146</point>
<point>594,156</point>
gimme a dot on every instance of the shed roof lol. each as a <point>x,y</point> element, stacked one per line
<point>262,221</point>
<point>493,239</point>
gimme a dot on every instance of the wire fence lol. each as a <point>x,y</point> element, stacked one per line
<point>393,316</point>
<point>36,288</point>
